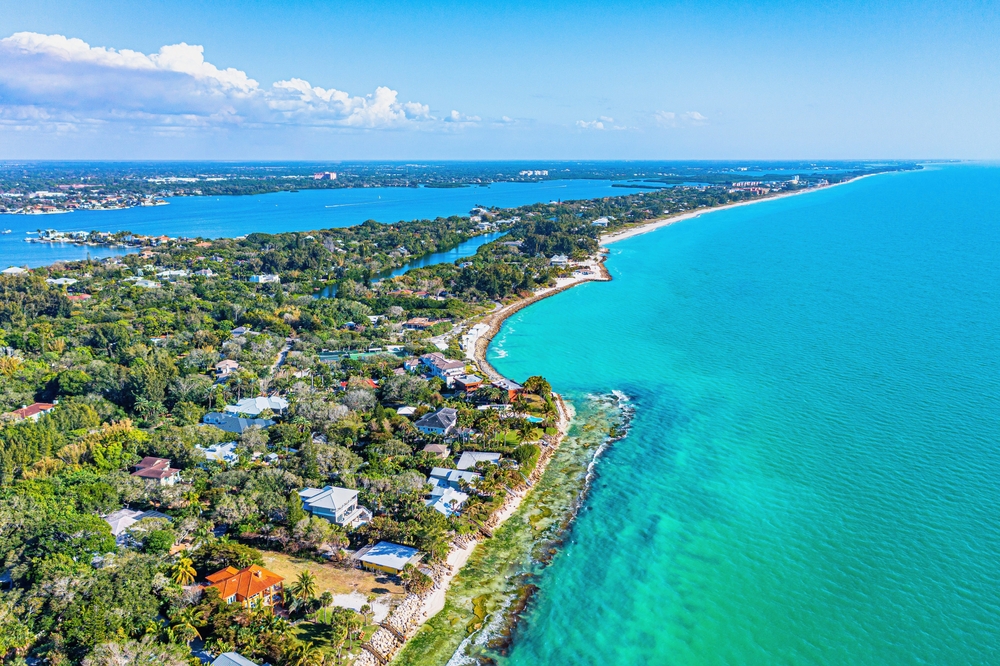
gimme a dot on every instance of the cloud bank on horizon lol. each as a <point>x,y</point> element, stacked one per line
<point>57,86</point>
<point>52,80</point>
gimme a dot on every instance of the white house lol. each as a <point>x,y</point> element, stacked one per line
<point>559,260</point>
<point>121,520</point>
<point>441,422</point>
<point>443,367</point>
<point>600,222</point>
<point>226,367</point>
<point>254,406</point>
<point>265,278</point>
<point>447,494</point>
<point>225,452</point>
<point>14,270</point>
<point>338,505</point>
<point>470,459</point>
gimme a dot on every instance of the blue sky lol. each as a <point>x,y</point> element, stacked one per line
<point>467,80</point>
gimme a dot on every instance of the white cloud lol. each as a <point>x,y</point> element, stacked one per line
<point>55,81</point>
<point>456,117</point>
<point>590,124</point>
<point>671,119</point>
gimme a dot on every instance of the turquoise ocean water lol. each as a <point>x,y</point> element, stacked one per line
<point>813,471</point>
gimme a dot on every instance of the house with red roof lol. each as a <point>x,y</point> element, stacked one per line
<point>158,470</point>
<point>252,587</point>
<point>33,412</point>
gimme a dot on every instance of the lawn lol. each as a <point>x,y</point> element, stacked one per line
<point>330,577</point>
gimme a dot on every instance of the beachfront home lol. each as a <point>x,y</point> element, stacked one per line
<point>254,406</point>
<point>513,388</point>
<point>469,459</point>
<point>232,659</point>
<point>14,270</point>
<point>387,557</point>
<point>234,424</point>
<point>252,587</point>
<point>31,412</point>
<point>449,502</point>
<point>265,278</point>
<point>559,260</point>
<point>448,487</point>
<point>442,367</point>
<point>157,470</point>
<point>468,383</point>
<point>600,222</point>
<point>338,505</point>
<point>441,422</point>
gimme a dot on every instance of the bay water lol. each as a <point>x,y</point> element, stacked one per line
<point>813,470</point>
<point>306,210</point>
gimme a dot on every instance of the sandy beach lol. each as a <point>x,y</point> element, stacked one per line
<point>653,225</point>
<point>591,269</point>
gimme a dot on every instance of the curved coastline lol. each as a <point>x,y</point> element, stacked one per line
<point>590,270</point>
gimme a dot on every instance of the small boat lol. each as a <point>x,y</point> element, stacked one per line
<point>5,231</point>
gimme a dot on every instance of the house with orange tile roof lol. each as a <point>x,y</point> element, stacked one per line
<point>251,587</point>
<point>33,412</point>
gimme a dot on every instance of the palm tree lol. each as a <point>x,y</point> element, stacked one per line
<point>325,600</point>
<point>185,623</point>
<point>304,587</point>
<point>304,654</point>
<point>183,572</point>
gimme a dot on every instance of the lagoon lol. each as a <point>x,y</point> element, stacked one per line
<point>225,217</point>
<point>813,471</point>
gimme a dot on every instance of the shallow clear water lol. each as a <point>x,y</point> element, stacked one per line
<point>229,216</point>
<point>813,473</point>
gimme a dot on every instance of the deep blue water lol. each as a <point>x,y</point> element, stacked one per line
<point>218,217</point>
<point>813,473</point>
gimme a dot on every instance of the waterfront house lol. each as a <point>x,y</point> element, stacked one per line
<point>265,278</point>
<point>234,424</point>
<point>449,502</point>
<point>600,222</point>
<point>441,422</point>
<point>254,406</point>
<point>468,383</point>
<point>559,260</point>
<point>513,388</point>
<point>158,470</point>
<point>252,587</point>
<point>31,412</point>
<point>14,270</point>
<point>233,659</point>
<point>442,367</point>
<point>387,557</point>
<point>469,459</point>
<point>338,505</point>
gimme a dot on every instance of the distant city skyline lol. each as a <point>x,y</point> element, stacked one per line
<point>442,80</point>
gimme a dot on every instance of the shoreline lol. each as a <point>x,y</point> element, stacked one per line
<point>590,270</point>
<point>653,225</point>
<point>416,610</point>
